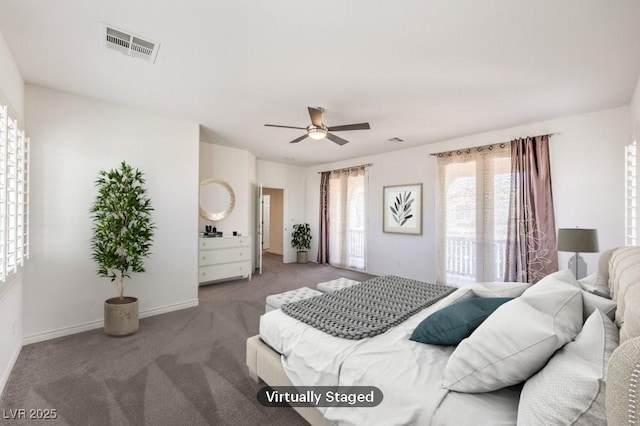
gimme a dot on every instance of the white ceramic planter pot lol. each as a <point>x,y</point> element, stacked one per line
<point>121,316</point>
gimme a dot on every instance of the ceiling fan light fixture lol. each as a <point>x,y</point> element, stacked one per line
<point>316,132</point>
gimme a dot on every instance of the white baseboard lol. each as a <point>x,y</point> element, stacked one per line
<point>60,332</point>
<point>66,331</point>
<point>169,308</point>
<point>7,372</point>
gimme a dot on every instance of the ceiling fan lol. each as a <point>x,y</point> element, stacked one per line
<point>317,130</point>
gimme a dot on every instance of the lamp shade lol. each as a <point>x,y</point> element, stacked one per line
<point>578,240</point>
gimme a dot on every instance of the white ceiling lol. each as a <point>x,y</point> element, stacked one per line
<point>420,70</point>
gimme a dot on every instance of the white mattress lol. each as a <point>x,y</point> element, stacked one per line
<point>409,374</point>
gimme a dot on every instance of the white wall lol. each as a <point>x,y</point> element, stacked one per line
<point>587,162</point>
<point>292,179</point>
<point>11,93</point>
<point>409,256</point>
<point>72,139</point>
<point>635,108</point>
<point>588,172</point>
<point>237,168</point>
<point>11,82</point>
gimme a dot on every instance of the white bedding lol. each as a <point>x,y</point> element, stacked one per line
<point>498,408</point>
<point>409,374</point>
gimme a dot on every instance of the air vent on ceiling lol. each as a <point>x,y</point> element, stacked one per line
<point>130,44</point>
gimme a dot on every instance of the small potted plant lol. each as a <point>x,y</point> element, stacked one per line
<point>122,237</point>
<point>301,241</point>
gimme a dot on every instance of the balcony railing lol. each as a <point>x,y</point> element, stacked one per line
<point>462,258</point>
<point>356,248</point>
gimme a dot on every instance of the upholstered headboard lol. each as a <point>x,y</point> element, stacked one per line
<point>623,275</point>
<point>621,269</point>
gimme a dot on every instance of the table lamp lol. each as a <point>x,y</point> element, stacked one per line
<point>578,240</point>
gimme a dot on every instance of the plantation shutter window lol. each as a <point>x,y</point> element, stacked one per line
<point>3,192</point>
<point>12,197</point>
<point>631,194</point>
<point>14,194</point>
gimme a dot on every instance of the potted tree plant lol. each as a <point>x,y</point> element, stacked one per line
<point>301,241</point>
<point>122,237</point>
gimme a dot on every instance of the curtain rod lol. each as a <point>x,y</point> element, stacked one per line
<point>479,148</point>
<point>348,168</point>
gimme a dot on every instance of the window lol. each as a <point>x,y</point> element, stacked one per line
<point>14,184</point>
<point>474,189</point>
<point>347,218</point>
<point>631,195</point>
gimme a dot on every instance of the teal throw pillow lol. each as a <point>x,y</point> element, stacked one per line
<point>450,325</point>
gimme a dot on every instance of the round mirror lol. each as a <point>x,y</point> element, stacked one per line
<point>216,199</point>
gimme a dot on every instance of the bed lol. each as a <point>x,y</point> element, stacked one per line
<point>430,384</point>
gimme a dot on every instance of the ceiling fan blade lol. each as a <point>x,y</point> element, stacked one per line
<point>286,127</point>
<point>336,139</point>
<point>316,116</point>
<point>358,126</point>
<point>299,139</point>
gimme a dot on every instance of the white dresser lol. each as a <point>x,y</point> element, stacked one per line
<point>224,258</point>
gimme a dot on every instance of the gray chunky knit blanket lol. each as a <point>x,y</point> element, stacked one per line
<point>366,309</point>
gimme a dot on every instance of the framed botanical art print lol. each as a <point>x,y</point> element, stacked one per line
<point>402,206</point>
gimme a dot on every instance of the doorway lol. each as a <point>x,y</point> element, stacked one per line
<point>273,220</point>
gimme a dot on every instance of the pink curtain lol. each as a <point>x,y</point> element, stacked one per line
<point>323,245</point>
<point>531,234</point>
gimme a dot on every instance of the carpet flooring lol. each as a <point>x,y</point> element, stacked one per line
<point>182,368</point>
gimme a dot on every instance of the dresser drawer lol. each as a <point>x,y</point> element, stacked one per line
<point>224,242</point>
<point>215,257</point>
<point>227,270</point>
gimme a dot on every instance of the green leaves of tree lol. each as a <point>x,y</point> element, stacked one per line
<point>301,237</point>
<point>122,227</point>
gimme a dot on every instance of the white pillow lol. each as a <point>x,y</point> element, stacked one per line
<point>566,276</point>
<point>571,389</point>
<point>592,298</point>
<point>595,284</point>
<point>517,339</point>
<point>591,302</point>
<point>506,289</point>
